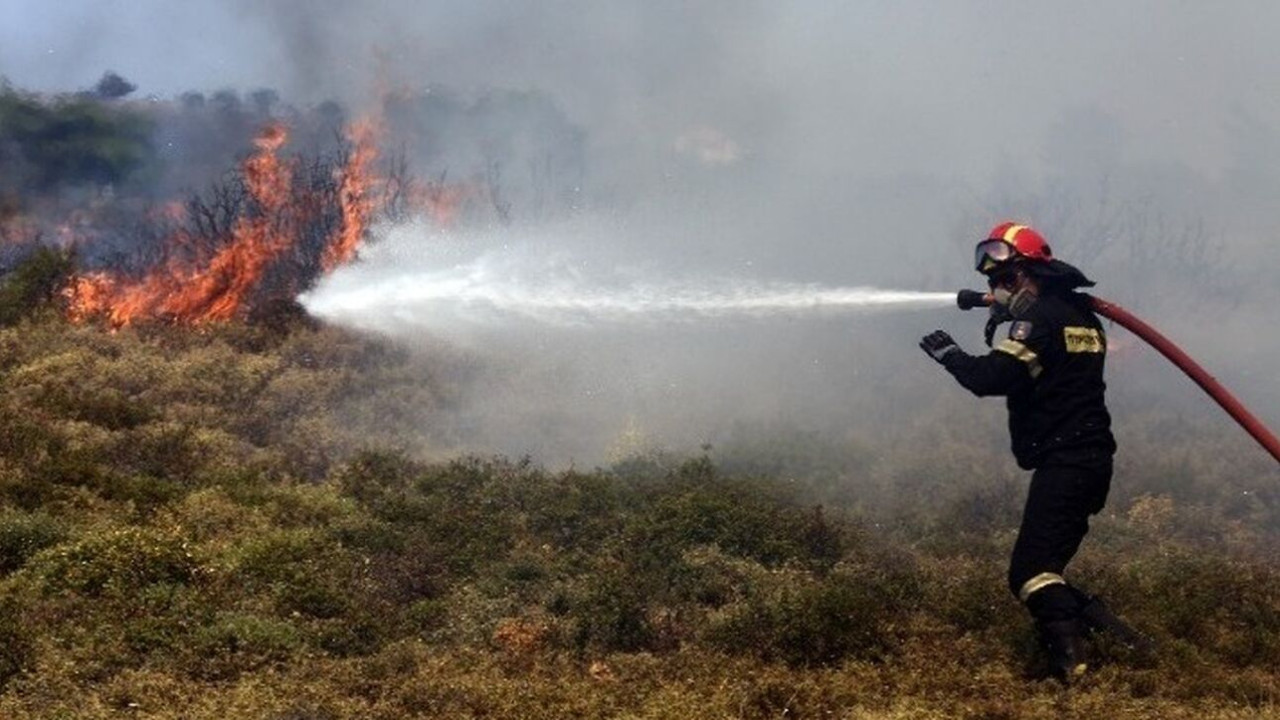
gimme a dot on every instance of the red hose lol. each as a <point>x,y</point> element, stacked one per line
<point>968,299</point>
<point>1234,408</point>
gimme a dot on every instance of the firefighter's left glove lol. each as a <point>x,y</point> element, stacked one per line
<point>939,345</point>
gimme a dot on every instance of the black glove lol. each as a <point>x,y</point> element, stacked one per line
<point>999,314</point>
<point>939,345</point>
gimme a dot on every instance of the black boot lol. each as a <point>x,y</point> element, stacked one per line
<point>1064,640</point>
<point>1098,618</point>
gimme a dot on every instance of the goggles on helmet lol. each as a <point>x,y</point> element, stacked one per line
<point>992,253</point>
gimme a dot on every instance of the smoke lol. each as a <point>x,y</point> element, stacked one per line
<point>662,144</point>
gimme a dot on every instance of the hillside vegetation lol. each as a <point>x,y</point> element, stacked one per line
<point>246,521</point>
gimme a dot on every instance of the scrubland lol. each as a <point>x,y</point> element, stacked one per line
<point>260,520</point>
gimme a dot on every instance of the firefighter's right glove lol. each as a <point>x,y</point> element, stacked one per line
<point>939,345</point>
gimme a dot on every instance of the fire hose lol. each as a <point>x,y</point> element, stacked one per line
<point>969,299</point>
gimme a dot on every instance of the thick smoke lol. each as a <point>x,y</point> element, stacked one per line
<point>811,142</point>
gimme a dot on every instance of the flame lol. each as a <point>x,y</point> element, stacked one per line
<point>206,279</point>
<point>218,290</point>
<point>355,182</point>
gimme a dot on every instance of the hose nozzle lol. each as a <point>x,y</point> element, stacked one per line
<point>970,299</point>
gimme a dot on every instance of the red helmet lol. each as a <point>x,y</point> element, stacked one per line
<point>1009,242</point>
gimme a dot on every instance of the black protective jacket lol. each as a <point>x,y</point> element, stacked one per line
<point>1050,369</point>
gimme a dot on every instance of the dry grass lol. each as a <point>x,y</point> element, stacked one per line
<point>201,524</point>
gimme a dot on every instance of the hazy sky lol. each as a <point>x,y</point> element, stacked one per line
<point>919,86</point>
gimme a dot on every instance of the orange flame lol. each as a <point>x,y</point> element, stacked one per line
<point>218,291</point>
<point>204,284</point>
<point>354,197</point>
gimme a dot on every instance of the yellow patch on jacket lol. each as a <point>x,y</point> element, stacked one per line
<point>1084,340</point>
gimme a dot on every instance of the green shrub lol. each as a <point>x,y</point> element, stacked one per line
<point>283,557</point>
<point>613,614</point>
<point>26,491</point>
<point>17,646</point>
<point>413,569</point>
<point>236,643</point>
<point>572,510</point>
<point>35,282</point>
<point>466,508</point>
<point>160,450</point>
<point>143,492</point>
<point>115,562</point>
<point>972,595</point>
<point>377,477</point>
<point>1229,608</point>
<point>23,535</point>
<point>304,505</point>
<point>750,519</point>
<point>305,574</point>
<point>804,621</point>
<point>353,636</point>
<point>25,439</point>
<point>107,407</point>
<point>426,616</point>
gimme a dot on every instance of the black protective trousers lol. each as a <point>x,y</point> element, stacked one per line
<point>1056,519</point>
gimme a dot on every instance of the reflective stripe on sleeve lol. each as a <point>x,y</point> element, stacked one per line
<point>1021,352</point>
<point>1038,583</point>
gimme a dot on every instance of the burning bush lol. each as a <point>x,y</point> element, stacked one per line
<point>223,253</point>
<point>98,173</point>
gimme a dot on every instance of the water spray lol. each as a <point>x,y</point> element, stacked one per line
<point>522,286</point>
<point>483,302</point>
<point>969,299</point>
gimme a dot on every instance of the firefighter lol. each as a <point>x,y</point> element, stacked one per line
<point>1049,369</point>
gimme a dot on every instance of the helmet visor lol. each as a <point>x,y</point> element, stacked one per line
<point>991,253</point>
